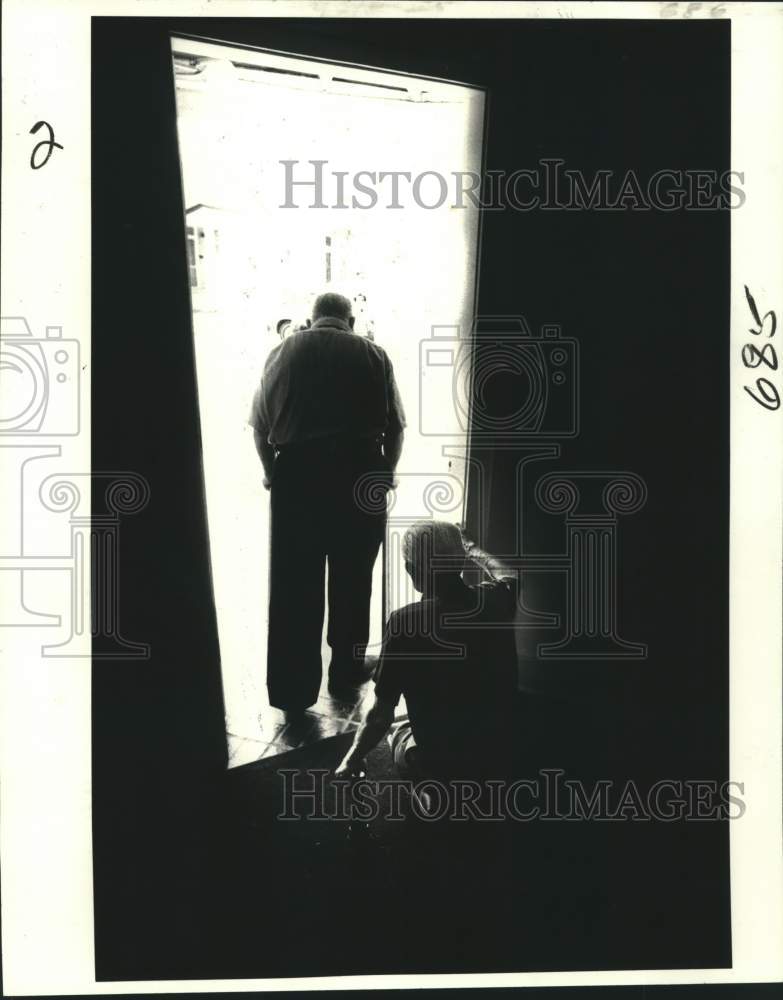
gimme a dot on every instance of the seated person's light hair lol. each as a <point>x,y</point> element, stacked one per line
<point>429,545</point>
<point>333,305</point>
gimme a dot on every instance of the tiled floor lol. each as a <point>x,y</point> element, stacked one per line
<point>327,717</point>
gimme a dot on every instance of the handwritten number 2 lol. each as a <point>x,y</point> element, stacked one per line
<point>35,162</point>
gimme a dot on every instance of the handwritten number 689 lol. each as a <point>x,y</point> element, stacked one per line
<point>765,392</point>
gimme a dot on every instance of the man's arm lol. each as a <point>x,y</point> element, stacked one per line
<point>495,569</point>
<point>392,445</point>
<point>375,726</point>
<point>266,453</point>
<point>394,434</point>
<point>259,418</point>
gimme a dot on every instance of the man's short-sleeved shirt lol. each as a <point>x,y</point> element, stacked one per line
<point>455,664</point>
<point>326,381</point>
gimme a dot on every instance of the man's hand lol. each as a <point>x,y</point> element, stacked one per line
<point>375,726</point>
<point>392,446</point>
<point>267,454</point>
<point>348,768</point>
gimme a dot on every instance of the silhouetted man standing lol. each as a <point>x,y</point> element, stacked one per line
<point>328,426</point>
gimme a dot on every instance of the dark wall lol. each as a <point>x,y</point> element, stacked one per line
<point>645,293</point>
<point>158,727</point>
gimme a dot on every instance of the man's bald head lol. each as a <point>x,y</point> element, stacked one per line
<point>333,305</point>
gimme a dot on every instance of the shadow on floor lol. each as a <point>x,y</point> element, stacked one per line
<point>279,734</point>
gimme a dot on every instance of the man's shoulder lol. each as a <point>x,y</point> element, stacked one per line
<point>286,352</point>
<point>383,358</point>
<point>374,347</point>
<point>346,339</point>
<point>359,342</point>
<point>295,340</point>
<point>274,355</point>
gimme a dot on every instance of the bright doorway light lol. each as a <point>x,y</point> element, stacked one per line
<point>253,264</point>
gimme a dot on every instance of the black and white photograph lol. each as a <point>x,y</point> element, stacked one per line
<point>391,444</point>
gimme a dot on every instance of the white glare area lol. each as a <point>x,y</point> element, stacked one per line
<point>253,263</point>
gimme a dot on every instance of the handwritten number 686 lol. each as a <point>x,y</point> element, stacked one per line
<point>765,392</point>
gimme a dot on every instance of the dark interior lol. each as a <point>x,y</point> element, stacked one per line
<point>647,296</point>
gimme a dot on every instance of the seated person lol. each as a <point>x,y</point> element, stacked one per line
<point>452,656</point>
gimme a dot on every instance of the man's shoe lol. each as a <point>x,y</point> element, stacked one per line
<point>346,675</point>
<point>295,713</point>
<point>291,709</point>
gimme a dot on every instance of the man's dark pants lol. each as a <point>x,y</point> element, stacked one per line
<point>324,509</point>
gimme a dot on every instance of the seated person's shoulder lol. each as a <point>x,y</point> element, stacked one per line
<point>404,620</point>
<point>398,644</point>
<point>499,597</point>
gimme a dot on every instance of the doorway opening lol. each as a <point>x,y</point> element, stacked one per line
<point>302,176</point>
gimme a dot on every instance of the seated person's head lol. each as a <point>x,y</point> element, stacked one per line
<point>334,306</point>
<point>434,555</point>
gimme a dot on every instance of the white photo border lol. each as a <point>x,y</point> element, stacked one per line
<point>45,794</point>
